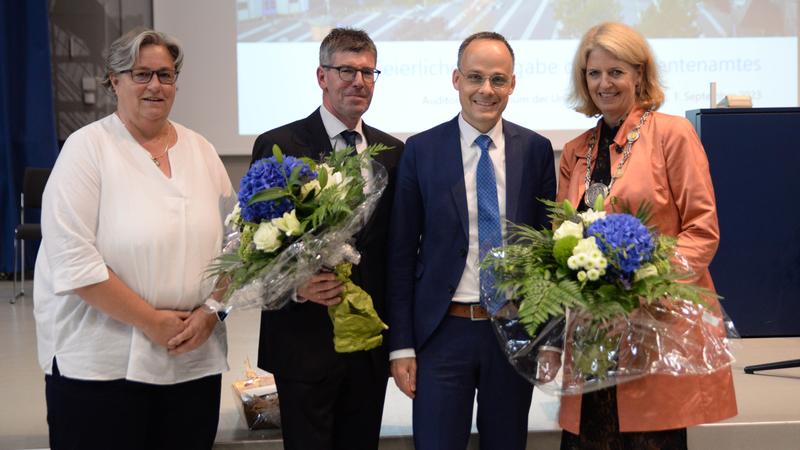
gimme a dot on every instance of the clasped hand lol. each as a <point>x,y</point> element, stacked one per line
<point>181,331</point>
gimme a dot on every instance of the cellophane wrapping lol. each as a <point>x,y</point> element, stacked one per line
<point>602,299</point>
<point>581,354</point>
<point>315,250</point>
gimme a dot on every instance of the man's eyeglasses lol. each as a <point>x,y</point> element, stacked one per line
<point>499,82</point>
<point>347,73</point>
<point>143,76</point>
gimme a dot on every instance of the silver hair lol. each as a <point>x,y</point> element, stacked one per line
<point>124,52</point>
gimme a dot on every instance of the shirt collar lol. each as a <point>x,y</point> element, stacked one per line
<point>334,126</point>
<point>470,133</point>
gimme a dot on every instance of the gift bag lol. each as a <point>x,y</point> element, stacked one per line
<point>259,399</point>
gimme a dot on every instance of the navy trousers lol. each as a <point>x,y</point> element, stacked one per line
<point>126,415</point>
<point>463,357</point>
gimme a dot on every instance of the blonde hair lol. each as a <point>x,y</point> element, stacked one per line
<point>625,44</point>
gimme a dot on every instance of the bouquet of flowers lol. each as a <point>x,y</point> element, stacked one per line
<point>295,217</point>
<point>610,290</point>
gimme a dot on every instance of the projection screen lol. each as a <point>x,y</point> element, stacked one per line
<point>250,64</point>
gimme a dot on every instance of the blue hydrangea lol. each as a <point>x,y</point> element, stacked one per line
<point>625,241</point>
<point>264,174</point>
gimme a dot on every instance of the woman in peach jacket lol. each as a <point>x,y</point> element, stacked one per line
<point>614,75</point>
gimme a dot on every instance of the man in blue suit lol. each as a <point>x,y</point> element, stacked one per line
<point>457,184</point>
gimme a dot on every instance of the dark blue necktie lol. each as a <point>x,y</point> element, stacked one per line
<point>349,137</point>
<point>489,234</point>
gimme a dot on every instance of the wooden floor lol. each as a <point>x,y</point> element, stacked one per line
<point>769,404</point>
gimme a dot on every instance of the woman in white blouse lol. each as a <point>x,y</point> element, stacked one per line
<point>132,214</point>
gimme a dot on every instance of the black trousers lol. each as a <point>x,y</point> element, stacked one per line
<point>122,414</point>
<point>342,411</point>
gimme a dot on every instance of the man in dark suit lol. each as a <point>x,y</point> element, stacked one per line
<point>330,400</point>
<point>457,184</point>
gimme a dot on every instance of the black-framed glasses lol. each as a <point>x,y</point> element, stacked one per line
<point>497,81</point>
<point>143,76</point>
<point>347,73</point>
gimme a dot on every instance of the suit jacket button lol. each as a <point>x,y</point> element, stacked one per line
<point>451,290</point>
<point>463,253</point>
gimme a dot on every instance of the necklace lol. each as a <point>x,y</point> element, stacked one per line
<point>155,158</point>
<point>594,190</point>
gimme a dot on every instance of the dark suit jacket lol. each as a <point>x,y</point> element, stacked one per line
<point>296,342</point>
<point>430,228</point>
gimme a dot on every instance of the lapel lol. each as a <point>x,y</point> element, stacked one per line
<point>515,157</point>
<point>371,137</point>
<point>312,137</point>
<point>452,167</point>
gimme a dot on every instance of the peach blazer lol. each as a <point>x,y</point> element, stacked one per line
<point>667,168</point>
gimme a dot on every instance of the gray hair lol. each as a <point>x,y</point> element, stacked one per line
<point>345,40</point>
<point>124,52</point>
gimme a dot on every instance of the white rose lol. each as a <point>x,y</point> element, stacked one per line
<point>593,274</point>
<point>308,187</point>
<point>336,181</point>
<point>339,181</point>
<point>590,216</point>
<point>267,238</point>
<point>288,223</point>
<point>233,217</point>
<point>334,178</point>
<point>568,228</point>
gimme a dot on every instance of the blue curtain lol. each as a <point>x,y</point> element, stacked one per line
<point>27,118</point>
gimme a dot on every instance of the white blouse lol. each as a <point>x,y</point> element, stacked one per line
<point>106,204</point>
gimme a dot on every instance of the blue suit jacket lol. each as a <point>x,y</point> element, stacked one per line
<point>428,237</point>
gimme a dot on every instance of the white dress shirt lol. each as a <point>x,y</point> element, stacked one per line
<point>334,128</point>
<point>106,205</point>
<point>468,290</point>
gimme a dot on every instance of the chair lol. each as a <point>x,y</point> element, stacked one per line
<point>31,197</point>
